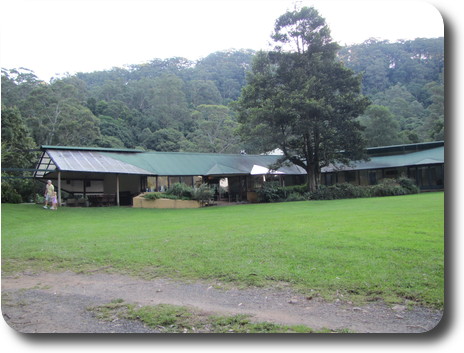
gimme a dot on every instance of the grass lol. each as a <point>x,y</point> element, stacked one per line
<point>389,248</point>
<point>179,319</point>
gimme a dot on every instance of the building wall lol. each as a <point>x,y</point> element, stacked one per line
<point>79,186</point>
<point>427,177</point>
<point>127,183</point>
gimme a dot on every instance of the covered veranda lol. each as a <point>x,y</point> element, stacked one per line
<point>90,174</point>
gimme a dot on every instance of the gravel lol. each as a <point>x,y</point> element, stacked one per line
<point>59,302</point>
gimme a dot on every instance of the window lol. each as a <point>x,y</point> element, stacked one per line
<point>437,175</point>
<point>173,180</point>
<point>372,178</point>
<point>391,173</point>
<point>329,179</point>
<point>350,176</point>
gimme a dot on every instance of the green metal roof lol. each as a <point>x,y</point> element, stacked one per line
<point>424,157</point>
<point>76,160</point>
<point>183,163</point>
<point>399,149</point>
<point>123,161</point>
<point>117,161</point>
<point>94,149</point>
<point>219,169</point>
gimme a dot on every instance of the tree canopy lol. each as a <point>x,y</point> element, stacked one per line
<point>124,107</point>
<point>302,99</point>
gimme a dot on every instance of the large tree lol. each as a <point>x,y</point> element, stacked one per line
<point>17,146</point>
<point>300,98</point>
<point>16,140</point>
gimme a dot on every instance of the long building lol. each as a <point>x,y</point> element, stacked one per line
<point>121,174</point>
<point>422,162</point>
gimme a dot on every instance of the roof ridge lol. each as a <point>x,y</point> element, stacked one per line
<point>205,153</point>
<point>96,149</point>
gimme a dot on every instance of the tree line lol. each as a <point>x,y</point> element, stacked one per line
<point>180,105</point>
<point>164,105</point>
<point>405,84</point>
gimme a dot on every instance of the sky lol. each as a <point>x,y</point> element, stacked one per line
<point>55,37</point>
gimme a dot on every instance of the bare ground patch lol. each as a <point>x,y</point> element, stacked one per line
<point>57,302</point>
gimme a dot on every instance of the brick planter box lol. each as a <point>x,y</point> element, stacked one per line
<point>141,202</point>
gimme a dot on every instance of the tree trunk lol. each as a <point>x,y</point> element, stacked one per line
<point>311,179</point>
<point>314,178</point>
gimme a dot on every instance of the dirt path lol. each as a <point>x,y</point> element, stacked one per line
<point>57,302</point>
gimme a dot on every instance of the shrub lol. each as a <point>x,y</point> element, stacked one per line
<point>152,196</point>
<point>39,198</point>
<point>296,189</point>
<point>324,193</point>
<point>271,192</point>
<point>181,190</point>
<point>294,196</point>
<point>163,195</point>
<point>409,185</point>
<point>387,187</point>
<point>19,190</point>
<point>350,191</point>
<point>10,194</point>
<point>203,193</point>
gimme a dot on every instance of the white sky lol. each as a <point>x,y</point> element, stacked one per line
<point>53,37</point>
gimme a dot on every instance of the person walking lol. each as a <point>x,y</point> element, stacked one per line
<point>54,201</point>
<point>49,190</point>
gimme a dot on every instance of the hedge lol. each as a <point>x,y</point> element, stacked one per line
<point>273,192</point>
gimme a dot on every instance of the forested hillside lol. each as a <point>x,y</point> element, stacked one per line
<point>405,83</point>
<point>181,105</point>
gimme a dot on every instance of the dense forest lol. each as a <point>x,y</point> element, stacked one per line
<point>181,105</point>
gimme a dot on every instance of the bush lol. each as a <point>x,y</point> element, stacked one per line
<point>340,191</point>
<point>203,193</point>
<point>152,196</point>
<point>271,192</point>
<point>350,191</point>
<point>19,190</point>
<point>325,193</point>
<point>294,196</point>
<point>296,189</point>
<point>39,198</point>
<point>9,194</point>
<point>409,185</point>
<point>163,195</point>
<point>181,190</point>
<point>387,187</point>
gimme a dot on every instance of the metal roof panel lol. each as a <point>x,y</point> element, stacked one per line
<point>184,163</point>
<point>91,161</point>
<point>424,157</point>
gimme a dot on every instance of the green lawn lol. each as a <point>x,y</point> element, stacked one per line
<point>389,248</point>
